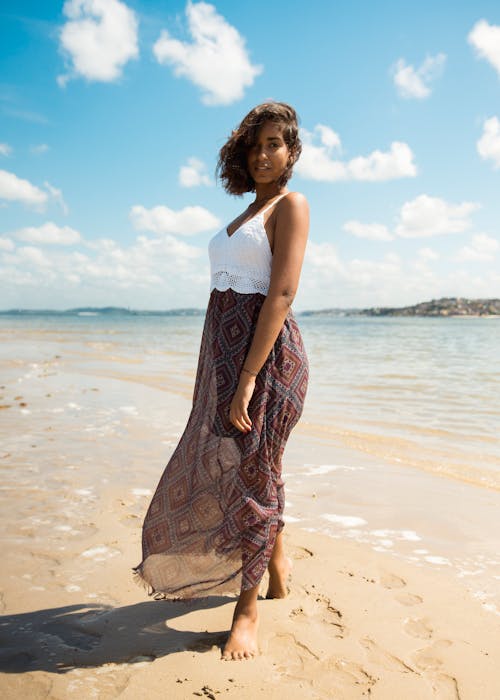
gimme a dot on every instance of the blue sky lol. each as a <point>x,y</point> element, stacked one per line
<point>112,114</point>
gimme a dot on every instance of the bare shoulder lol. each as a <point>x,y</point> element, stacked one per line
<point>292,224</point>
<point>292,214</point>
<point>293,203</point>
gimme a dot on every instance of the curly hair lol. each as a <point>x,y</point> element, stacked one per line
<point>232,167</point>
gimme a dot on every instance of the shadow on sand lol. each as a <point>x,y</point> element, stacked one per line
<point>58,640</point>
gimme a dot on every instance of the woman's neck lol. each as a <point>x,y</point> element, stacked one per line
<point>263,194</point>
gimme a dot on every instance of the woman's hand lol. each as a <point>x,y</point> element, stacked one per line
<point>238,411</point>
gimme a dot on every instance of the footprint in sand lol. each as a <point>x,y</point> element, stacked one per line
<point>336,677</point>
<point>392,581</point>
<point>417,627</point>
<point>408,599</point>
<point>427,659</point>
<point>445,687</point>
<point>300,553</point>
<point>349,672</point>
<point>290,654</point>
<point>380,656</point>
<point>331,677</point>
<point>317,606</point>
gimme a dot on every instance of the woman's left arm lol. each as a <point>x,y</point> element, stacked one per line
<point>290,238</point>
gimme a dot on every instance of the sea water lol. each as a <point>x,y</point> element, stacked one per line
<point>398,445</point>
<point>425,390</point>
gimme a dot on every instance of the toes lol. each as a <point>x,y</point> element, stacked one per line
<point>237,655</point>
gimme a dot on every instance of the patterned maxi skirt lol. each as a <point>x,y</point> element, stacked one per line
<point>213,520</point>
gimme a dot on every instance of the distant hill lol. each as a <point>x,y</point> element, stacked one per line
<point>101,311</point>
<point>447,306</point>
<point>133,312</point>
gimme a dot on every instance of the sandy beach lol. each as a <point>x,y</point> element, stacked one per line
<point>371,613</point>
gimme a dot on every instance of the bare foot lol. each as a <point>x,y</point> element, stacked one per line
<point>279,573</point>
<point>242,641</point>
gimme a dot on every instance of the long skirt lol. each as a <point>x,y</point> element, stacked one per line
<point>212,523</point>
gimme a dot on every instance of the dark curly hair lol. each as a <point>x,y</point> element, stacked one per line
<point>232,167</point>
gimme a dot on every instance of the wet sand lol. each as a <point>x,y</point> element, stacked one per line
<point>384,605</point>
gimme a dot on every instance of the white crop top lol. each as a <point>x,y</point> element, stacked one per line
<point>242,261</point>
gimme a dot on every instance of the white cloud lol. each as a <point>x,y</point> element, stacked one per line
<point>168,272</point>
<point>24,114</point>
<point>317,161</point>
<point>415,82</point>
<point>160,219</point>
<point>481,249</point>
<point>39,149</point>
<point>48,233</point>
<point>427,216</point>
<point>160,272</point>
<point>5,149</point>
<point>427,254</point>
<point>99,38</point>
<point>421,217</point>
<point>365,272</point>
<point>328,280</point>
<point>322,256</point>
<point>421,263</point>
<point>14,188</point>
<point>374,232</point>
<point>328,136</point>
<point>485,38</point>
<point>216,60</point>
<point>6,243</point>
<point>33,256</point>
<point>57,195</point>
<point>488,145</point>
<point>378,166</point>
<point>194,174</point>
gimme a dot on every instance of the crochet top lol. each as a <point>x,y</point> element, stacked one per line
<point>242,261</point>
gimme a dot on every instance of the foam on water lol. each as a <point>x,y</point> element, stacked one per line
<point>100,553</point>
<point>344,520</point>
<point>130,410</point>
<point>409,535</point>
<point>321,469</point>
<point>437,560</point>
<point>290,519</point>
<point>142,492</point>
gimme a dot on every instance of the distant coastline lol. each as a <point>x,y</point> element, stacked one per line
<point>102,311</point>
<point>444,307</point>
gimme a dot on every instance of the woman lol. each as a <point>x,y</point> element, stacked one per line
<point>215,521</point>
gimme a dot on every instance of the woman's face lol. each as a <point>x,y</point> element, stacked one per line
<point>268,158</point>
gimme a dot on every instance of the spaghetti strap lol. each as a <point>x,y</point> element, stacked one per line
<point>273,203</point>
